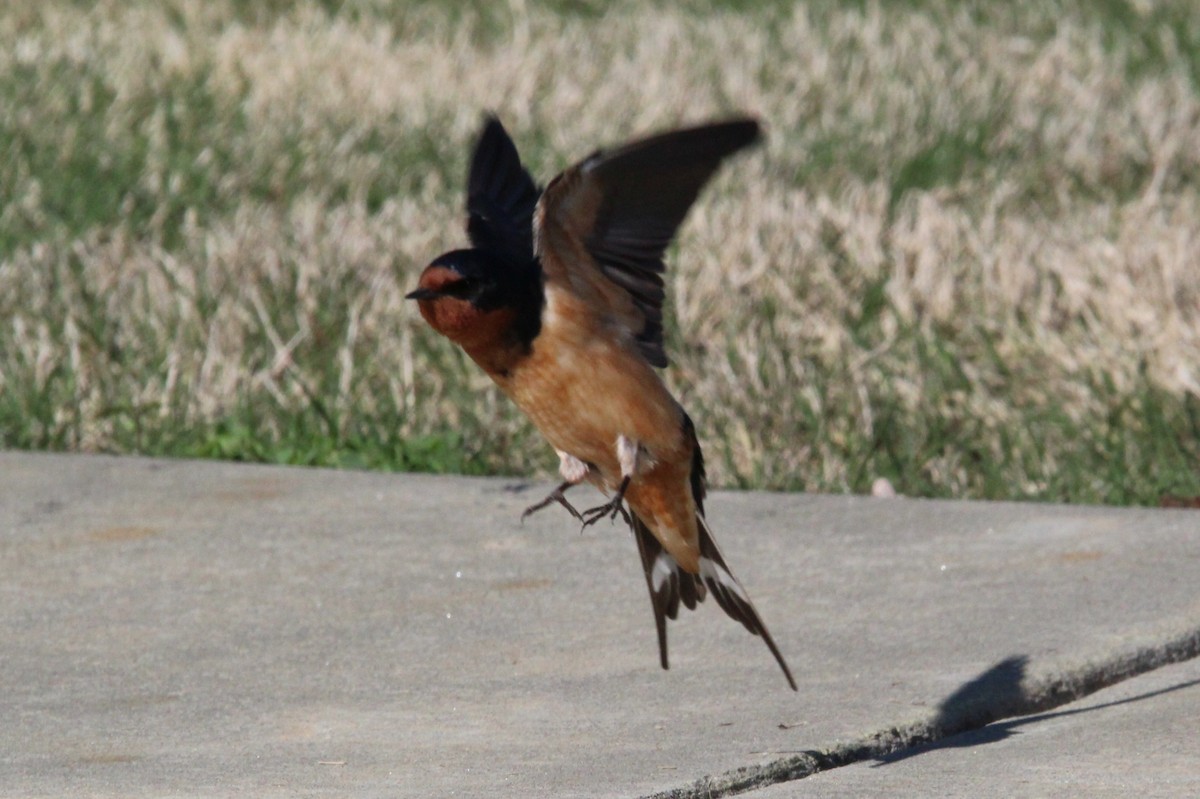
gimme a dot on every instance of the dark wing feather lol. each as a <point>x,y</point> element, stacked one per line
<point>648,187</point>
<point>501,197</point>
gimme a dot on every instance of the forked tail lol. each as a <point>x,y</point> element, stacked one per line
<point>670,585</point>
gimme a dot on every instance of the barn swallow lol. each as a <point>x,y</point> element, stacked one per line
<point>559,299</point>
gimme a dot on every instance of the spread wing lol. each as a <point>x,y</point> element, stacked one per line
<point>501,197</point>
<point>604,224</point>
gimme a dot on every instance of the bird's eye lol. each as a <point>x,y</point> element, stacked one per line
<point>459,289</point>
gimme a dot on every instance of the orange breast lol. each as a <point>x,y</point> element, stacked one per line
<point>583,386</point>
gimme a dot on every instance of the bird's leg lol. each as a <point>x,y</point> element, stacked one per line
<point>611,508</point>
<point>557,495</point>
<point>573,471</point>
<point>627,457</point>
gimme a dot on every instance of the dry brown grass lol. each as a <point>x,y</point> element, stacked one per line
<point>966,258</point>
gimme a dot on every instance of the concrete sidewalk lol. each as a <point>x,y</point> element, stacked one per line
<point>173,628</point>
<point>1138,738</point>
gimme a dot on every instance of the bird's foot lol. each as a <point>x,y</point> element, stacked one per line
<point>556,495</point>
<point>610,509</point>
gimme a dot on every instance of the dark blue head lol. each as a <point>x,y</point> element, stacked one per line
<point>470,295</point>
<point>463,275</point>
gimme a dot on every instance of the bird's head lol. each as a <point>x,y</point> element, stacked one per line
<point>460,297</point>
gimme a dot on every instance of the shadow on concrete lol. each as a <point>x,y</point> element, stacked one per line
<point>972,708</point>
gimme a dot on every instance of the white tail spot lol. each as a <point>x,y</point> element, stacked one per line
<point>711,570</point>
<point>664,567</point>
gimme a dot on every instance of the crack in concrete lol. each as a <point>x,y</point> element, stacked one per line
<point>1004,691</point>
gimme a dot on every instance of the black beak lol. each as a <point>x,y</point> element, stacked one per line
<point>422,294</point>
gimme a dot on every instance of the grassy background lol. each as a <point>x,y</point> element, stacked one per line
<point>967,258</point>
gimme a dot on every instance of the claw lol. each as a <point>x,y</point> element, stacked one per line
<point>556,495</point>
<point>610,509</point>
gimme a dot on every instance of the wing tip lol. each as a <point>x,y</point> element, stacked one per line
<point>747,128</point>
<point>491,119</point>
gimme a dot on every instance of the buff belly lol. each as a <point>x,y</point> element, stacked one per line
<point>582,398</point>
